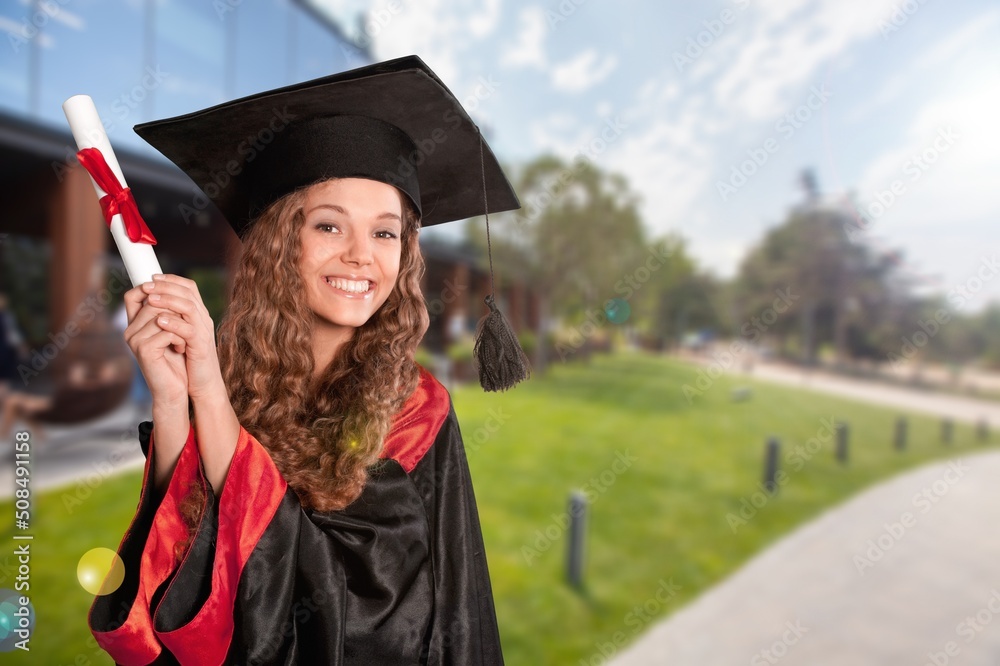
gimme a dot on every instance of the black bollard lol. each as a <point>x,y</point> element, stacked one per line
<point>842,436</point>
<point>771,464</point>
<point>901,433</point>
<point>946,431</point>
<point>577,529</point>
<point>983,430</point>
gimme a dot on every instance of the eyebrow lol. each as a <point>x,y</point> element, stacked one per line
<point>383,216</point>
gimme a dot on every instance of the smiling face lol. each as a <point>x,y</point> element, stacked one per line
<point>351,245</point>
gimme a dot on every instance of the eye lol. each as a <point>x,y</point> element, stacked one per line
<point>386,234</point>
<point>326,226</point>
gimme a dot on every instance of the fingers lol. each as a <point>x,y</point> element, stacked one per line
<point>149,343</point>
<point>134,299</point>
<point>182,329</point>
<point>178,286</point>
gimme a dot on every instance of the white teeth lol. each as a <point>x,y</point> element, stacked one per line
<point>349,285</point>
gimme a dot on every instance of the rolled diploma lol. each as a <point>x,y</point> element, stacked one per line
<point>88,130</point>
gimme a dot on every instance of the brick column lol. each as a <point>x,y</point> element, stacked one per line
<point>79,237</point>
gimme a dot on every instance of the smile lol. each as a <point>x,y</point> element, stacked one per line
<point>351,288</point>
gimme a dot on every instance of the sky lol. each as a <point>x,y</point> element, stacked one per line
<point>710,109</point>
<point>696,89</point>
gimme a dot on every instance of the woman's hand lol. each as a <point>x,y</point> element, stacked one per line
<point>192,327</point>
<point>160,352</point>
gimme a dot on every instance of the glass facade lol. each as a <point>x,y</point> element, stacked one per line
<point>148,59</point>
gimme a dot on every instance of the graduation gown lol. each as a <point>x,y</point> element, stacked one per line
<point>398,577</point>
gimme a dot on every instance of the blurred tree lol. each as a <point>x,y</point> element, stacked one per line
<point>681,298</point>
<point>576,236</point>
<point>841,288</point>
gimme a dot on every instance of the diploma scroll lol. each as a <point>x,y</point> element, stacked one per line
<point>88,131</point>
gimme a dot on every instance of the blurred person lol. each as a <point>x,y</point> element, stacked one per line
<point>24,402</point>
<point>307,497</point>
<point>12,346</point>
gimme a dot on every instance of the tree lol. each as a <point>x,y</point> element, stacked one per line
<point>578,233</point>
<point>842,286</point>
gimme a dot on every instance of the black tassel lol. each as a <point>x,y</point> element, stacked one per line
<point>497,354</point>
<point>499,359</point>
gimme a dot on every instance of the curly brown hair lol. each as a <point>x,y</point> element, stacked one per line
<point>323,435</point>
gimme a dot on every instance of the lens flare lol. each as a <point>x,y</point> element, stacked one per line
<point>618,310</point>
<point>100,571</point>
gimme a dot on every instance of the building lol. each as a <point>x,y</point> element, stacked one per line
<point>141,61</point>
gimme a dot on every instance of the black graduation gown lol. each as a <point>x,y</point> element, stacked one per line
<point>398,577</point>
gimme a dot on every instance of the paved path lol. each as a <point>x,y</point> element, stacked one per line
<point>891,577</point>
<point>942,404</point>
<point>84,453</point>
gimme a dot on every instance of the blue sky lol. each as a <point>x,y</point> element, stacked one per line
<point>893,88</point>
<point>887,80</point>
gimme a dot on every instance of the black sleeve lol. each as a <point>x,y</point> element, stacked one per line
<point>464,627</point>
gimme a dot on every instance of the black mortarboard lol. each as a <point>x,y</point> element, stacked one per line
<point>393,121</point>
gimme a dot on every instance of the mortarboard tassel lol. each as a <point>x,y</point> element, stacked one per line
<point>498,356</point>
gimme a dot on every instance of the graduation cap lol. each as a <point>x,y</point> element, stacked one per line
<point>394,122</point>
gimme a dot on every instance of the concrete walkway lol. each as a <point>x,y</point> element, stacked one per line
<point>961,408</point>
<point>84,453</point>
<point>907,573</point>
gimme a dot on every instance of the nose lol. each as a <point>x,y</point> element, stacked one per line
<point>359,250</point>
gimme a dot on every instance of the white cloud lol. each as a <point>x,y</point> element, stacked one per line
<point>782,44</point>
<point>958,40</point>
<point>529,48</point>
<point>582,71</point>
<point>945,50</point>
<point>432,29</point>
<point>51,10</point>
<point>485,22</point>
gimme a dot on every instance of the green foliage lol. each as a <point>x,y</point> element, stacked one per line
<point>527,339</point>
<point>25,278</point>
<point>460,350</point>
<point>212,287</point>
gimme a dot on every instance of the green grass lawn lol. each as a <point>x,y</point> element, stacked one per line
<point>659,519</point>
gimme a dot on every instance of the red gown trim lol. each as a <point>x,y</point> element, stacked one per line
<point>135,642</point>
<point>250,497</point>
<point>248,501</point>
<point>415,426</point>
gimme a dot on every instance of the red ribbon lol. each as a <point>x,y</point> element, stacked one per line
<point>118,200</point>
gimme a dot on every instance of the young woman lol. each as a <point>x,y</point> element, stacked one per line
<point>306,496</point>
